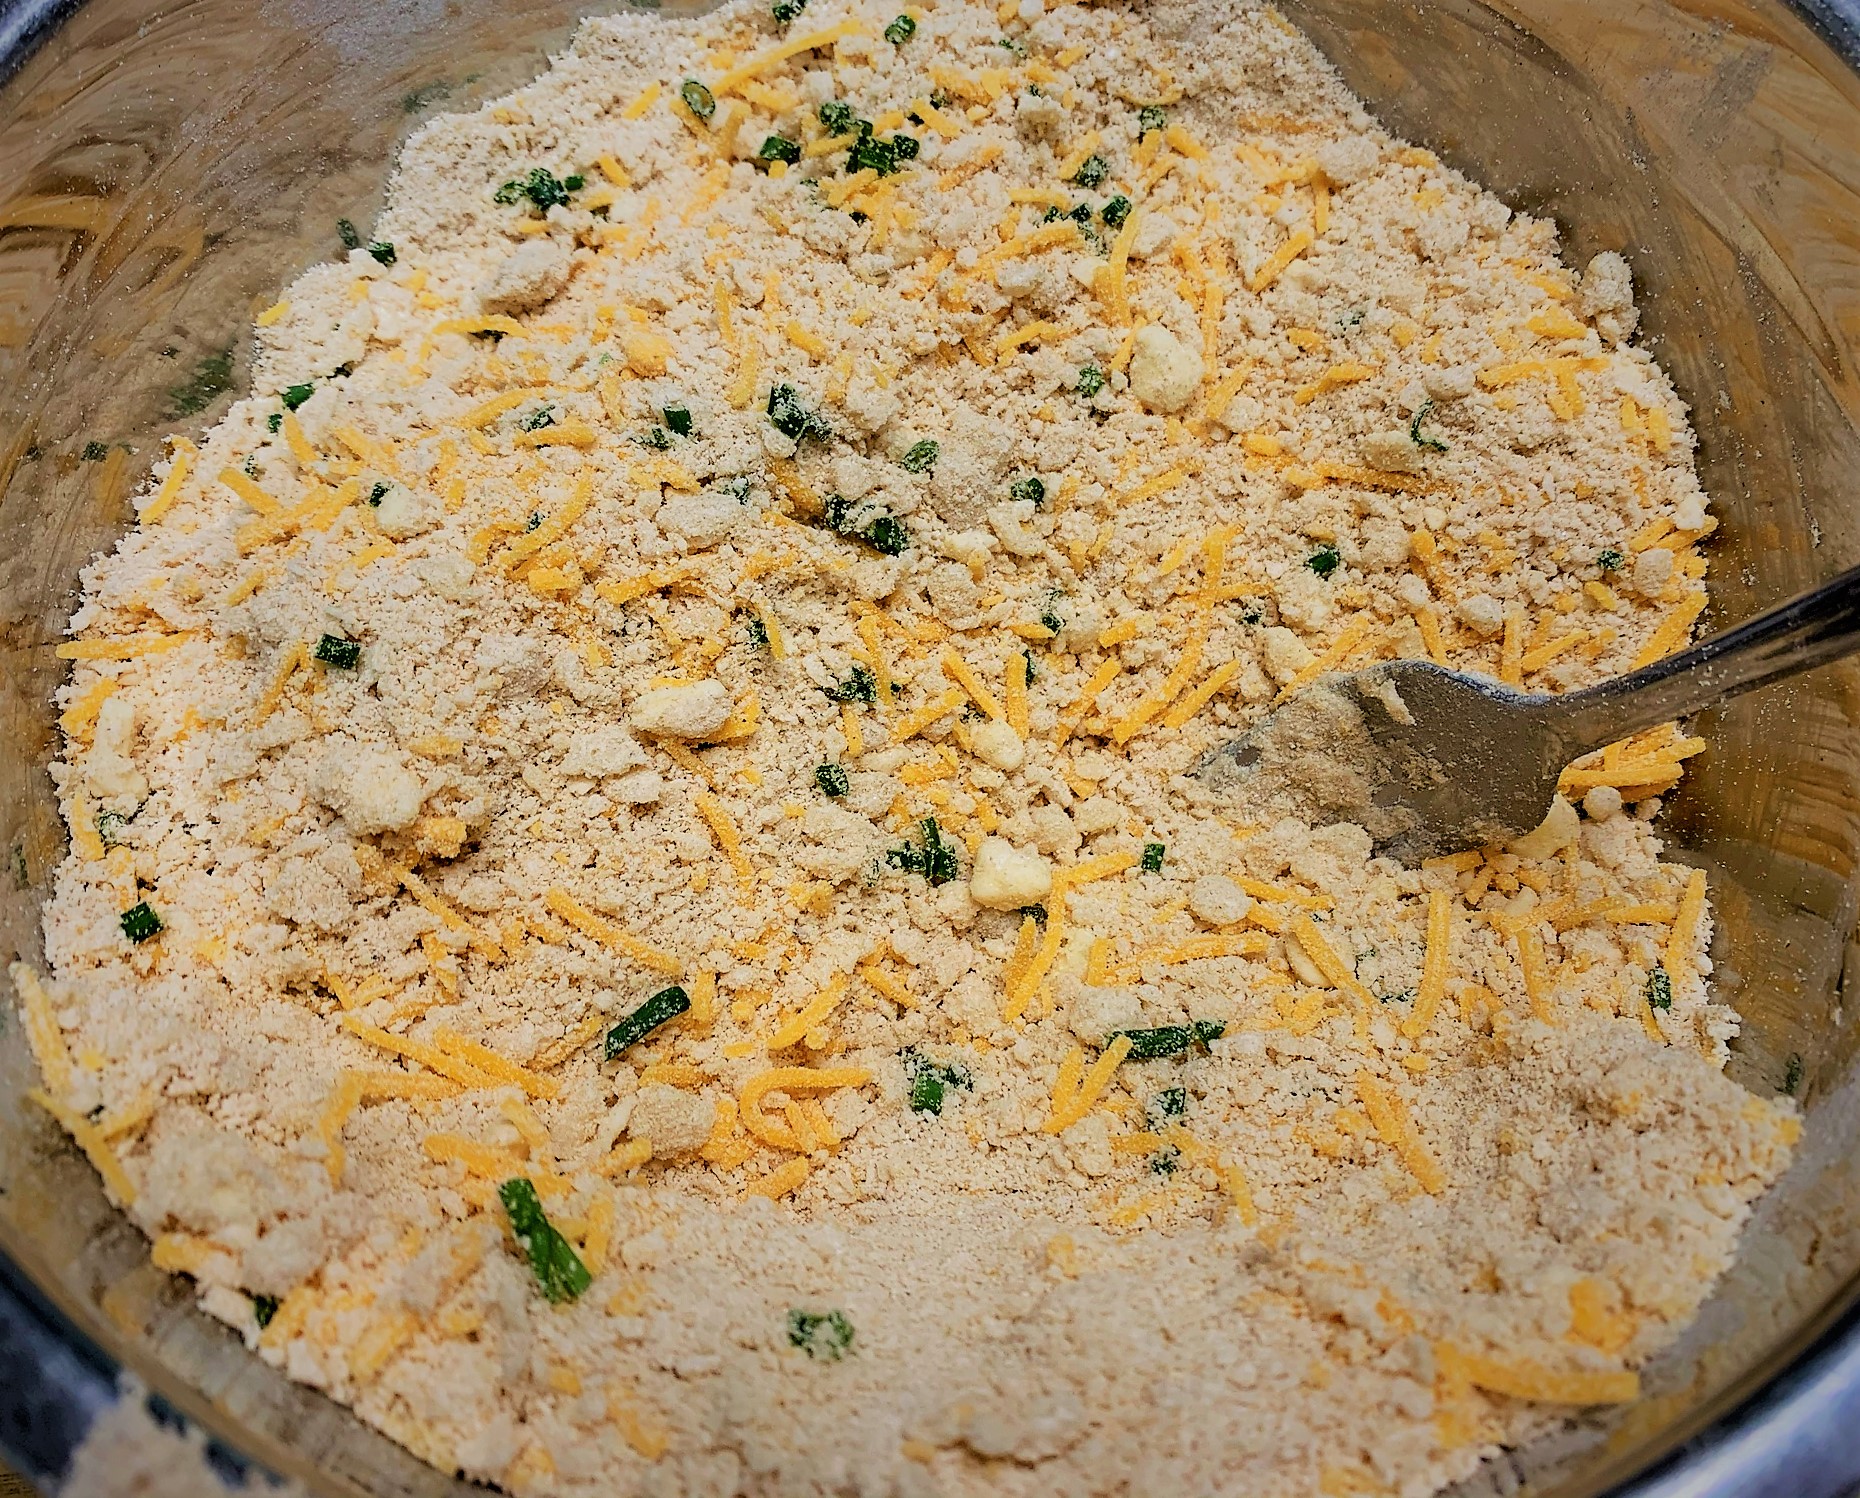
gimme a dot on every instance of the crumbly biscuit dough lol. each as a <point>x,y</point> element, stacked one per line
<point>678,576</point>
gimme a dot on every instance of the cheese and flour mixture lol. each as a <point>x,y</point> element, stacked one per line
<point>637,910</point>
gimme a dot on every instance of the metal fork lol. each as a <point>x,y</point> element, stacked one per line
<point>1476,762</point>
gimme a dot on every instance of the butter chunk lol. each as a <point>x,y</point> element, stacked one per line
<point>682,712</point>
<point>1006,877</point>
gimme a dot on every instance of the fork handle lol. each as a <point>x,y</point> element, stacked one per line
<point>1810,630</point>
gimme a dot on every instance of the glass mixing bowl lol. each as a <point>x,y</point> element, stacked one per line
<point>167,166</point>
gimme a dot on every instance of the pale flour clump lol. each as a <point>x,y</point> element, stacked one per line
<point>635,910</point>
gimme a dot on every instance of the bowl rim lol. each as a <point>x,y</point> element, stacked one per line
<point>1787,1433</point>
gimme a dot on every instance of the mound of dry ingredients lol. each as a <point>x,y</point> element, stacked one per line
<point>677,690</point>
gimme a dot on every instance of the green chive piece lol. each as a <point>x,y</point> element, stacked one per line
<point>1415,434</point>
<point>837,118</point>
<point>825,1336</point>
<point>333,650</point>
<point>931,1081</point>
<point>859,685</point>
<point>832,780</point>
<point>698,99</point>
<point>139,922</point>
<point>901,31</point>
<point>1659,988</point>
<point>553,1260</point>
<point>920,457</point>
<point>934,858</point>
<point>1325,560</point>
<point>887,534</point>
<point>665,1005</point>
<point>295,395</point>
<point>1169,1040</point>
<point>1153,854</point>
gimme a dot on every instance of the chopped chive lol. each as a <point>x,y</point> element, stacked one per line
<point>542,187</point>
<point>1153,854</point>
<point>785,11</point>
<point>1659,988</point>
<point>139,922</point>
<point>1026,657</point>
<point>698,99</point>
<point>95,452</point>
<point>901,31</point>
<point>1610,560</point>
<point>825,1336</point>
<point>779,148</point>
<point>858,685</point>
<point>869,151</point>
<point>665,1005</point>
<point>542,416</point>
<point>1792,1077</point>
<point>838,118</point>
<point>295,395</point>
<point>887,534</point>
<point>1151,117</point>
<point>1038,912</point>
<point>678,418</point>
<point>933,858</point>
<point>377,494</point>
<point>926,1091</point>
<point>1325,560</point>
<point>345,231</point>
<point>333,650</point>
<point>1171,1102</point>
<point>1030,488</point>
<point>757,631</point>
<point>383,251</point>
<point>110,825</point>
<point>1165,1161</point>
<point>790,417</point>
<point>264,1307</point>
<point>553,1260</point>
<point>931,1081</point>
<point>1415,435</point>
<point>832,780</point>
<point>1169,1040</point>
<point>274,421</point>
<point>1093,172</point>
<point>920,457</point>
<point>1091,380</point>
<point>1116,211</point>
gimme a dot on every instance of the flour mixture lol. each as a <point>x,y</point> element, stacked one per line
<point>635,909</point>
